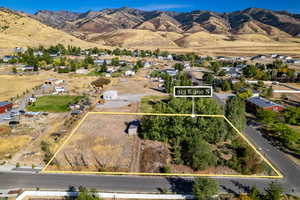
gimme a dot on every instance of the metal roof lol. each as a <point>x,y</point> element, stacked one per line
<point>4,103</point>
<point>262,102</point>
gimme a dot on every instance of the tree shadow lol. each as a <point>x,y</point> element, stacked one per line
<point>72,193</point>
<point>180,185</point>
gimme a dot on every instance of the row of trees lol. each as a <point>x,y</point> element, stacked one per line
<point>274,125</point>
<point>206,189</point>
<point>276,71</point>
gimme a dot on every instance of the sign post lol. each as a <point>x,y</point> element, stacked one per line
<point>193,92</point>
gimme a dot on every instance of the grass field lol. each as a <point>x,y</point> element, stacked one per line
<point>53,103</point>
<point>12,85</point>
<point>9,143</point>
<point>148,102</point>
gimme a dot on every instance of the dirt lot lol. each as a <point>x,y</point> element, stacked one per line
<point>110,148</point>
<point>137,84</point>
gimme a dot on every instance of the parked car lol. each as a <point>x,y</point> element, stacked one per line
<point>75,112</point>
<point>7,118</point>
<point>13,124</point>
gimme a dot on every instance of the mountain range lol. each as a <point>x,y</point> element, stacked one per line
<point>249,31</point>
<point>248,21</point>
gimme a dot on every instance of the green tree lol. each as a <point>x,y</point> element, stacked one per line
<point>274,191</point>
<point>267,116</point>
<point>235,112</point>
<point>115,61</point>
<point>89,60</point>
<point>215,67</point>
<point>178,66</point>
<point>245,94</point>
<point>269,92</point>
<point>85,194</point>
<point>226,85</point>
<point>200,154</point>
<point>254,194</point>
<point>14,70</point>
<point>292,115</point>
<point>205,188</point>
<point>208,78</point>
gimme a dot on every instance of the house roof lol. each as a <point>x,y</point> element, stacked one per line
<point>262,102</point>
<point>4,103</point>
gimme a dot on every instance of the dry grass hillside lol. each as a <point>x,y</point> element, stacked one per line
<point>134,39</point>
<point>19,30</point>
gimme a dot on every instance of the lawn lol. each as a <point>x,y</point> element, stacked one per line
<point>53,103</point>
<point>148,102</point>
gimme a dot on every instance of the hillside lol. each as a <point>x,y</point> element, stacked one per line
<point>251,20</point>
<point>18,30</point>
<point>131,38</point>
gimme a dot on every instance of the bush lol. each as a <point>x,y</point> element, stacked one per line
<point>166,169</point>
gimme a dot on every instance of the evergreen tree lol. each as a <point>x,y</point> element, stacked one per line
<point>205,188</point>
<point>235,112</point>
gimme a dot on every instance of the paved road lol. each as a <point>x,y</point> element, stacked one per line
<point>287,167</point>
<point>118,183</point>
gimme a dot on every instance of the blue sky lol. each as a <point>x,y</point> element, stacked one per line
<point>170,5</point>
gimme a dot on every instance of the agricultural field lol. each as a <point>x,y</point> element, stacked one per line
<point>53,103</point>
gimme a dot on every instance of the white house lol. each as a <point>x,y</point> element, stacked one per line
<point>111,70</point>
<point>7,58</point>
<point>59,89</point>
<point>82,71</point>
<point>169,57</point>
<point>147,64</point>
<point>110,95</point>
<point>129,73</point>
<point>38,53</point>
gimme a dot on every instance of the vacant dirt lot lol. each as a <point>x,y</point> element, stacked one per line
<point>100,144</point>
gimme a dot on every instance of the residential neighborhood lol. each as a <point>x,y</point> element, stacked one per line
<point>151,101</point>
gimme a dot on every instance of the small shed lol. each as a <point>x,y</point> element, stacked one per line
<point>110,95</point>
<point>133,127</point>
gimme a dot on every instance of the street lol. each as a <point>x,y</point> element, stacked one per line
<point>120,183</point>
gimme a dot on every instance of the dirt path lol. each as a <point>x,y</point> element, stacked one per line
<point>135,156</point>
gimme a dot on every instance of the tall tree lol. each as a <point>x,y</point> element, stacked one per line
<point>201,154</point>
<point>205,188</point>
<point>235,112</point>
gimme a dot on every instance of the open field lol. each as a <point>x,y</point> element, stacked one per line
<point>13,85</point>
<point>53,103</point>
<point>147,103</point>
<point>111,149</point>
<point>11,142</point>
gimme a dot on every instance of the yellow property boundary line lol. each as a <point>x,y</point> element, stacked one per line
<point>279,175</point>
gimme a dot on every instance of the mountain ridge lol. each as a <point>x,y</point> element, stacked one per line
<point>114,19</point>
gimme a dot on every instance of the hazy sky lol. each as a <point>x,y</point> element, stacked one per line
<point>171,5</point>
